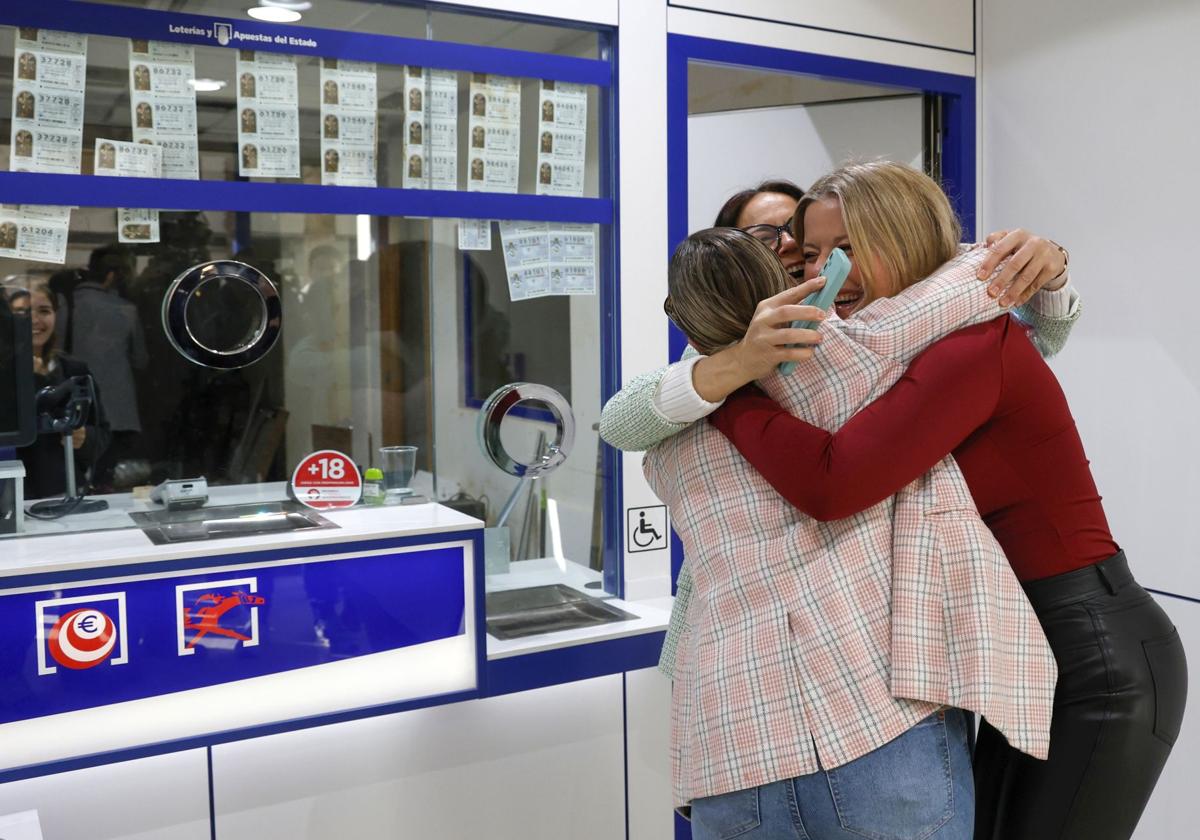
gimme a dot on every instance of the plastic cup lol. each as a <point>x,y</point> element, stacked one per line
<point>398,464</point>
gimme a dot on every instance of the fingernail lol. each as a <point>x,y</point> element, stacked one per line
<point>993,291</point>
<point>1006,301</point>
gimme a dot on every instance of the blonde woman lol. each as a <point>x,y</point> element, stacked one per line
<point>984,395</point>
<point>815,662</point>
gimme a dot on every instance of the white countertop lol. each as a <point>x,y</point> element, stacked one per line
<point>120,505</point>
<point>69,550</point>
<point>108,539</point>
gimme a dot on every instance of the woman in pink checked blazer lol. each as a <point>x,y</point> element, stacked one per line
<point>787,686</point>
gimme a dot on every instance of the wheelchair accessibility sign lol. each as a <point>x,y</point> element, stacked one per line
<point>646,528</point>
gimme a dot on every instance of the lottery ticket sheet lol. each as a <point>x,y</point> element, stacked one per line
<point>562,138</point>
<point>494,133</point>
<point>268,115</point>
<point>430,128</point>
<point>162,103</point>
<point>349,109</point>
<point>49,73</point>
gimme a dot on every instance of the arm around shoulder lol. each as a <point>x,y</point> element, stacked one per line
<point>632,422</point>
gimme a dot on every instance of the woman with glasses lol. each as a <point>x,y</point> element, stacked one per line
<point>655,405</point>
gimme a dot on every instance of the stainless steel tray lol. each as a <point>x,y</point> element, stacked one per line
<point>515,613</point>
<point>223,522</point>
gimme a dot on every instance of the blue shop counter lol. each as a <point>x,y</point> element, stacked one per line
<point>113,646</point>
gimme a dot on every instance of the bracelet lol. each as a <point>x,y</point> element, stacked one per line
<point>1066,260</point>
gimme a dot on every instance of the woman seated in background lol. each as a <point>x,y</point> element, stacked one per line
<point>45,472</point>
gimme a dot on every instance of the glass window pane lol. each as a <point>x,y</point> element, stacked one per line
<point>391,336</point>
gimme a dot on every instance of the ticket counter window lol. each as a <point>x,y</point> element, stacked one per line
<point>381,329</point>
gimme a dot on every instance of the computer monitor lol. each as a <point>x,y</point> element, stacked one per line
<point>18,420</point>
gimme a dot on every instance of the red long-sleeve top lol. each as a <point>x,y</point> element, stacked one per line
<point>982,393</point>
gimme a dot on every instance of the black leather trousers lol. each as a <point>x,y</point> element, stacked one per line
<point>1122,687</point>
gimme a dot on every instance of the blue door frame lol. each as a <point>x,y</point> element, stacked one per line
<point>958,147</point>
<point>958,141</point>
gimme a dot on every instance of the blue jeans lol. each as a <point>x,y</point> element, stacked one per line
<point>916,787</point>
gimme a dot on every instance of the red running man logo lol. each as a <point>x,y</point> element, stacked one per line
<point>207,619</point>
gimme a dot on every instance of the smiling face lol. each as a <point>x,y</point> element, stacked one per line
<point>770,208</point>
<point>42,317</point>
<point>824,230</point>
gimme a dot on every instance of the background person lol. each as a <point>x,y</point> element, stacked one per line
<point>107,336</point>
<point>45,473</point>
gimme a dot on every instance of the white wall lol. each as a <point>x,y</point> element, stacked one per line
<point>1088,134</point>
<point>732,150</point>
<point>946,24</point>
<point>1097,149</point>
<point>643,142</point>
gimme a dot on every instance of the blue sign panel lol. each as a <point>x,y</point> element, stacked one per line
<point>69,647</point>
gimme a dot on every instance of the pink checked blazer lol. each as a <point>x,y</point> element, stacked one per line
<point>809,644</point>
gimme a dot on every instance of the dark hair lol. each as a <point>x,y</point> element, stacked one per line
<point>733,208</point>
<point>111,259</point>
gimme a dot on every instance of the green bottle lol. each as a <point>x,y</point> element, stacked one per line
<point>373,486</point>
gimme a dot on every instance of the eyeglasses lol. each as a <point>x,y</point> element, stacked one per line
<point>769,235</point>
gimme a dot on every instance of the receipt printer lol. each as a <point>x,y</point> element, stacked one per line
<point>181,493</point>
<point>12,485</point>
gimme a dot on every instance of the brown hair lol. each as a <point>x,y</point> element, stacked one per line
<point>895,216</point>
<point>716,280</point>
<point>28,289</point>
<point>733,207</point>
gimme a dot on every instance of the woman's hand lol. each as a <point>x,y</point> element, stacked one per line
<point>1034,262</point>
<point>764,345</point>
<point>78,436</point>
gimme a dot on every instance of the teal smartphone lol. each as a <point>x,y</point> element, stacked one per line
<point>837,266</point>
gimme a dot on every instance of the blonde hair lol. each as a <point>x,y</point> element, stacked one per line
<point>716,280</point>
<point>895,216</point>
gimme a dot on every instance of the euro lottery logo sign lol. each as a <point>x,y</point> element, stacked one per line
<point>81,632</point>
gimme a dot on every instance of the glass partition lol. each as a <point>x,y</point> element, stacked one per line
<point>349,330</point>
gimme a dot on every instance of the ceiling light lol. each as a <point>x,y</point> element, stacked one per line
<point>273,14</point>
<point>206,85</point>
<point>294,5</point>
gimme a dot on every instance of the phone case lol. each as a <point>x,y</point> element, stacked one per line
<point>837,266</point>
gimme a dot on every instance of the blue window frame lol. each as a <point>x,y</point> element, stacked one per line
<point>958,141</point>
